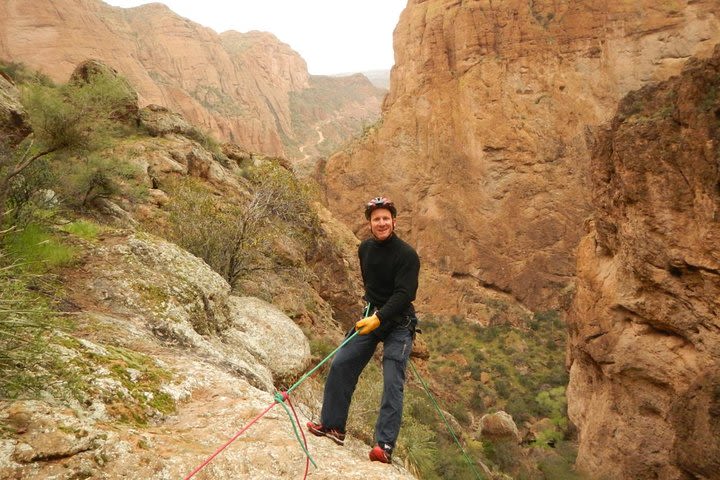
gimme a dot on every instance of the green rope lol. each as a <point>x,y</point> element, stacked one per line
<point>304,377</point>
<point>442,415</point>
<point>281,400</point>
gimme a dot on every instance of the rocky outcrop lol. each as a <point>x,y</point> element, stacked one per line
<point>13,119</point>
<point>158,121</point>
<point>235,85</point>
<point>482,140</point>
<point>338,282</point>
<point>184,302</point>
<point>168,367</point>
<point>91,71</point>
<point>644,350</point>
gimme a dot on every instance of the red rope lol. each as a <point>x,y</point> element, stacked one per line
<point>307,459</point>
<point>201,466</point>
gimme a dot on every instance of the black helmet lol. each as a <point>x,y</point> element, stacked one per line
<point>380,202</point>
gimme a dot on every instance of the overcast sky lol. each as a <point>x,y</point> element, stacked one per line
<point>332,36</point>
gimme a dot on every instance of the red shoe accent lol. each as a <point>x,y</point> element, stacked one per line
<point>378,454</point>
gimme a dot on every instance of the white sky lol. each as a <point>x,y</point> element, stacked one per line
<point>332,36</point>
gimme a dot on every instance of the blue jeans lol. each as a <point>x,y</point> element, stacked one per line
<point>345,370</point>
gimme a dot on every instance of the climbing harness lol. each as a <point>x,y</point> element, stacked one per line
<point>447,424</point>
<point>280,398</point>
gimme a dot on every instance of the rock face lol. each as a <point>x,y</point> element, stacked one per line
<point>158,336</point>
<point>645,324</point>
<point>482,142</point>
<point>13,119</point>
<point>236,85</point>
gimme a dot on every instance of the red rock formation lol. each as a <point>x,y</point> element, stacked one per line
<point>237,85</point>
<point>645,324</point>
<point>482,142</point>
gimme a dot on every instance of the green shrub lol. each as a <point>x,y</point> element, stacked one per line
<point>558,463</point>
<point>419,406</point>
<point>237,239</point>
<point>553,402</point>
<point>228,237</point>
<point>20,73</point>
<point>95,176</point>
<point>460,413</point>
<point>67,121</point>
<point>75,116</point>
<point>279,193</point>
<point>521,365</point>
<point>83,229</point>
<point>31,191</point>
<point>417,445</point>
<point>503,453</point>
<point>37,250</point>
<point>25,319</point>
<point>320,347</point>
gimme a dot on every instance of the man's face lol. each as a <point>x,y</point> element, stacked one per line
<point>382,223</point>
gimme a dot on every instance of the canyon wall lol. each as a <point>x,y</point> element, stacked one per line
<point>483,137</point>
<point>237,86</point>
<point>645,324</point>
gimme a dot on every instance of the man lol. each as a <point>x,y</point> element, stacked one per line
<point>390,269</point>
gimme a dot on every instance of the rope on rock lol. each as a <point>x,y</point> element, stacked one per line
<point>279,398</point>
<point>303,443</point>
<point>217,452</point>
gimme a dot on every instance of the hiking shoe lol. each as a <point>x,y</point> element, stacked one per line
<point>332,433</point>
<point>381,454</point>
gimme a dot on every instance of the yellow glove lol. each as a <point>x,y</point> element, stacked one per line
<point>367,324</point>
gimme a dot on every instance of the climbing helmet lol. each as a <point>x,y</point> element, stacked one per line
<point>380,202</point>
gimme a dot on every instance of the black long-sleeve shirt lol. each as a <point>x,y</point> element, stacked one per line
<point>390,271</point>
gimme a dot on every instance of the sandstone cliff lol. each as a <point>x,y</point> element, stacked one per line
<point>482,142</point>
<point>645,324</point>
<point>236,85</point>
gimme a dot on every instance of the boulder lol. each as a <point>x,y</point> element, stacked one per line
<point>185,302</point>
<point>499,426</point>
<point>90,70</point>
<point>14,124</point>
<point>159,121</point>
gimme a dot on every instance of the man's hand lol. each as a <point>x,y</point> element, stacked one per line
<point>367,324</point>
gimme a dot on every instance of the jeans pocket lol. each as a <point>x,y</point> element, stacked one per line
<point>398,345</point>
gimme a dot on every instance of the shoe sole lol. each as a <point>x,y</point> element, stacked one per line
<point>320,433</point>
<point>338,440</point>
